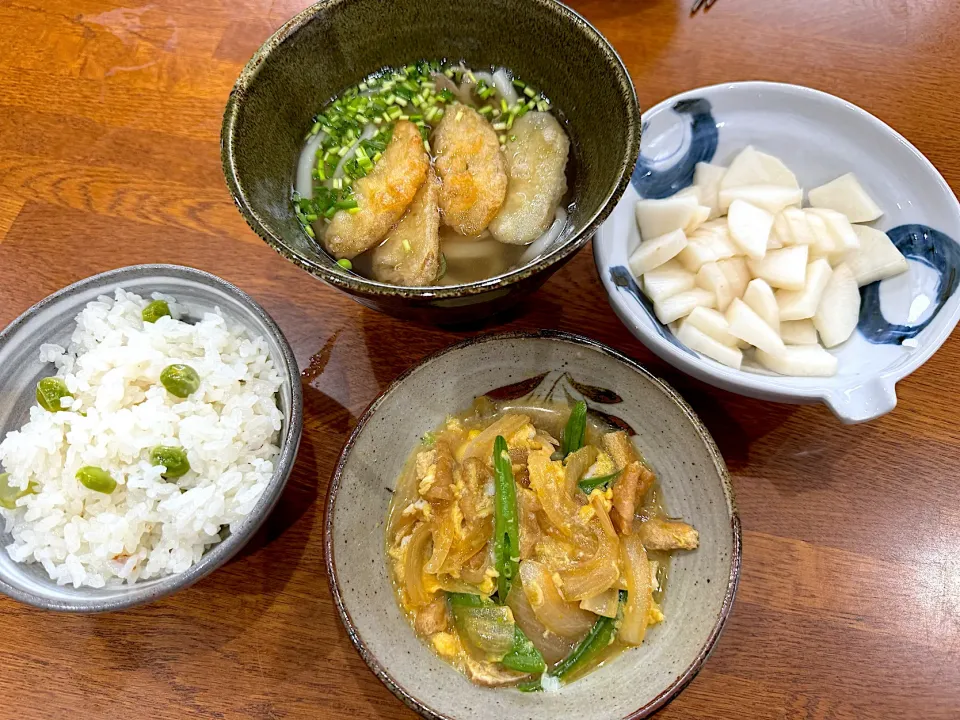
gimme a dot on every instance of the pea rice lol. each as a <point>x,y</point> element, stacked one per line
<point>116,414</point>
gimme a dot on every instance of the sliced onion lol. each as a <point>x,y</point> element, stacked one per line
<point>442,542</point>
<point>553,647</point>
<point>416,556</point>
<point>636,570</point>
<point>606,603</point>
<point>557,615</point>
<point>482,445</point>
<point>501,81</point>
<point>576,465</point>
<point>308,160</point>
<point>592,577</point>
<point>545,241</point>
<point>547,480</point>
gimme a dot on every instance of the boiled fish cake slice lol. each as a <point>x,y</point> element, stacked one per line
<point>536,164</point>
<point>411,253</point>
<point>471,168</point>
<point>382,196</point>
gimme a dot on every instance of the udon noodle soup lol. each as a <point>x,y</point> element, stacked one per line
<point>529,544</point>
<point>435,174</point>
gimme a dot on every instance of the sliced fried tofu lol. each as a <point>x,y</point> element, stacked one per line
<point>663,534</point>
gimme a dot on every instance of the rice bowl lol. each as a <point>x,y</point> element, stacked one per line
<point>149,526</point>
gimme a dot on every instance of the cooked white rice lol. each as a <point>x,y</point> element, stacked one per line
<point>148,526</point>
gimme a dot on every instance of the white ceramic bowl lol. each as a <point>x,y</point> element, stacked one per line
<point>903,320</point>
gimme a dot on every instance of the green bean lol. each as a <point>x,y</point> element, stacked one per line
<point>576,429</point>
<point>523,656</point>
<point>155,310</point>
<point>506,540</point>
<point>588,485</point>
<point>601,635</point>
<point>50,390</point>
<point>174,459</point>
<point>9,494</point>
<point>96,479</point>
<point>180,380</point>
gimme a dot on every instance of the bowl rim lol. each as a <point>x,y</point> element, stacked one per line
<point>219,554</point>
<point>358,284</point>
<point>769,386</point>
<point>691,671</point>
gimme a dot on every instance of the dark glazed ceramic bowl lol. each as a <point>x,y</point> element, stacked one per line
<point>543,365</point>
<point>52,321</point>
<point>336,43</point>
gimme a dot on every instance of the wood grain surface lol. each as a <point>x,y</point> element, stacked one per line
<point>849,605</point>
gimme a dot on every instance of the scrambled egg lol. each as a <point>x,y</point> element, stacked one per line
<point>603,465</point>
<point>447,644</point>
<point>420,506</point>
<point>655,614</point>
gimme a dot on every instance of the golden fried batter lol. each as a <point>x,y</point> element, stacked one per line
<point>411,253</point>
<point>472,169</point>
<point>382,196</point>
<point>536,165</point>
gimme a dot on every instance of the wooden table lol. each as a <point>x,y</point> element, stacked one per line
<point>849,604</point>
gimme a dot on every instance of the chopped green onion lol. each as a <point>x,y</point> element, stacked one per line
<point>345,264</point>
<point>406,245</point>
<point>503,105</point>
<point>309,231</point>
<point>589,484</point>
<point>498,126</point>
<point>485,110</point>
<point>519,84</point>
<point>529,92</point>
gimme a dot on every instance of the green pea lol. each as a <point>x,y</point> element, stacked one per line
<point>9,494</point>
<point>174,459</point>
<point>96,479</point>
<point>155,310</point>
<point>180,380</point>
<point>49,392</point>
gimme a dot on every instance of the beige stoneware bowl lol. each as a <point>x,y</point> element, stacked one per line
<point>547,364</point>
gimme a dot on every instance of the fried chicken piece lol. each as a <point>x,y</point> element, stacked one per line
<point>410,255</point>
<point>536,166</point>
<point>441,488</point>
<point>663,534</point>
<point>472,169</point>
<point>618,446</point>
<point>382,196</point>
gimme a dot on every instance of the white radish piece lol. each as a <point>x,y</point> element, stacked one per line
<point>771,198</point>
<point>839,309</point>
<point>713,323</point>
<point>800,232</point>
<point>781,231</point>
<point>782,268</point>
<point>719,244</point>
<point>682,304</point>
<point>877,258</point>
<point>695,254</point>
<point>654,253</point>
<point>700,216</point>
<point>752,167</point>
<point>802,304</point>
<point>700,342</point>
<point>800,361</point>
<point>666,280</point>
<point>659,217</point>
<point>823,242</point>
<point>774,242</point>
<point>707,178</point>
<point>838,226</point>
<point>846,195</point>
<point>746,325</point>
<point>759,297</point>
<point>798,332</point>
<point>711,277</point>
<point>750,227</point>
<point>737,273</point>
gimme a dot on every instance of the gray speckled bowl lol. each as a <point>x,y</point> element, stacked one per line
<point>696,487</point>
<point>336,43</point>
<point>52,321</point>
